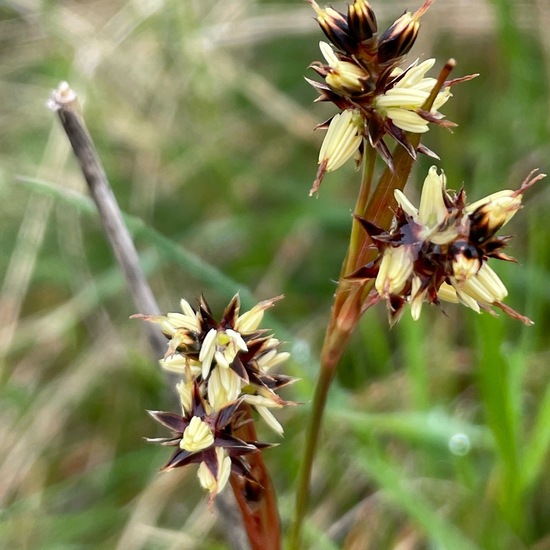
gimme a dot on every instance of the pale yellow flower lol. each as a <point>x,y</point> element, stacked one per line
<point>185,392</point>
<point>409,94</point>
<point>224,386</point>
<point>343,75</point>
<point>251,319</point>
<point>439,251</point>
<point>395,269</point>
<point>342,140</point>
<point>197,436</point>
<point>221,346</point>
<point>180,364</point>
<point>206,478</point>
<point>262,405</point>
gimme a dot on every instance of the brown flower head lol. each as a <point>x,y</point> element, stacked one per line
<point>205,437</point>
<point>228,358</point>
<point>376,96</point>
<point>439,252</point>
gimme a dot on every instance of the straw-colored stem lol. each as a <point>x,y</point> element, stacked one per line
<point>64,102</point>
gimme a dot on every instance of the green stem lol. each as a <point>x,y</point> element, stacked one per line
<point>345,313</point>
<point>336,338</point>
<point>360,210</point>
<point>335,342</point>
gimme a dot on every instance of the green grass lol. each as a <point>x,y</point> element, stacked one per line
<point>204,124</point>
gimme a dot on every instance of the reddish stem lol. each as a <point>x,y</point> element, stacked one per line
<point>350,298</point>
<point>258,509</point>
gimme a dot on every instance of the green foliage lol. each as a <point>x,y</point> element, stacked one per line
<point>204,124</point>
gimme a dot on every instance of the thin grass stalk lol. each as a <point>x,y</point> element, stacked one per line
<point>350,299</point>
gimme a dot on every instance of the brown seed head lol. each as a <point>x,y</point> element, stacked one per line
<point>399,38</point>
<point>466,260</point>
<point>361,20</point>
<point>335,26</point>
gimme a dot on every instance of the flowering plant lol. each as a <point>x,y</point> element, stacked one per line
<point>439,251</point>
<point>399,254</point>
<point>376,95</point>
<point>411,248</point>
<point>223,366</point>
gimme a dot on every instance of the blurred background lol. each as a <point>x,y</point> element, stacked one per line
<point>437,432</point>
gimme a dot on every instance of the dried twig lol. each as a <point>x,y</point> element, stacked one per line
<point>64,102</point>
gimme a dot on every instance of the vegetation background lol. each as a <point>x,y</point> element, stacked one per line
<point>437,432</point>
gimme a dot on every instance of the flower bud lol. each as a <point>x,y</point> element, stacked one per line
<point>250,320</point>
<point>418,294</point>
<point>342,76</point>
<point>395,270</point>
<point>447,293</point>
<point>342,141</point>
<point>208,480</point>
<point>224,387</point>
<point>486,287</point>
<point>262,405</point>
<point>466,261</point>
<point>399,38</point>
<point>489,214</point>
<point>335,26</point>
<point>361,20</point>
<point>185,391</point>
<point>432,209</point>
<point>197,436</point>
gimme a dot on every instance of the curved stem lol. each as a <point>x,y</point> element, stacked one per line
<point>338,332</point>
<point>345,313</point>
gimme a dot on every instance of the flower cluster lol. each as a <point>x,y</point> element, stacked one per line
<point>439,251</point>
<point>223,366</point>
<point>364,79</point>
